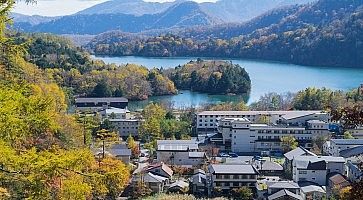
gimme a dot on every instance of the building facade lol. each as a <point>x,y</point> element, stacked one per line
<point>228,177</point>
<point>242,136</point>
<point>316,168</point>
<point>206,122</point>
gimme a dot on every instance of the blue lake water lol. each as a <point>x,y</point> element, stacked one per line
<point>266,77</point>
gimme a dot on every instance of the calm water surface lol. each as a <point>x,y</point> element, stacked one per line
<point>266,77</point>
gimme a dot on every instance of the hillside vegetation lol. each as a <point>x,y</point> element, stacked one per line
<point>324,33</point>
<point>213,77</point>
<point>43,154</point>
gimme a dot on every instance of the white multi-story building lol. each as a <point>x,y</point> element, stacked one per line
<point>206,121</point>
<point>316,168</point>
<point>242,136</point>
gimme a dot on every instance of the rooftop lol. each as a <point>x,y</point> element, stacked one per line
<point>269,166</point>
<point>115,110</point>
<point>286,114</point>
<point>153,178</point>
<point>177,145</point>
<point>347,141</point>
<point>232,169</point>
<point>284,193</point>
<point>300,151</point>
<point>163,166</point>
<point>283,184</point>
<point>339,179</point>
<point>355,151</point>
<point>312,188</point>
<point>315,162</point>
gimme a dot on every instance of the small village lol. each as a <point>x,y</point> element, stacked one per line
<point>268,155</point>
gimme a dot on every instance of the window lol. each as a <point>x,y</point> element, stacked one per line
<point>235,176</point>
<point>219,176</point>
<point>303,172</point>
<point>218,184</point>
<point>226,176</point>
<point>244,177</point>
<point>235,184</point>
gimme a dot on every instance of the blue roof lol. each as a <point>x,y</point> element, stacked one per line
<point>348,141</point>
<point>355,151</point>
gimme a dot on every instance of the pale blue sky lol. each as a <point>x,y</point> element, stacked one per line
<point>63,7</point>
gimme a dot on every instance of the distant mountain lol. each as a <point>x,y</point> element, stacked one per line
<point>185,14</point>
<point>231,11</point>
<point>237,11</point>
<point>324,33</point>
<point>131,7</point>
<point>32,20</point>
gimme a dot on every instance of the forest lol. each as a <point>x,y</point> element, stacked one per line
<point>324,33</point>
<point>212,77</point>
<point>74,70</point>
<point>43,154</point>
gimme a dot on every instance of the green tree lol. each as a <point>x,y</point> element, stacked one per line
<point>244,193</point>
<point>131,144</point>
<point>348,135</point>
<point>289,143</point>
<point>102,90</point>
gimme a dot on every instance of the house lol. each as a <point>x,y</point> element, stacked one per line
<point>311,191</point>
<point>289,157</point>
<point>284,195</point>
<point>96,104</point>
<point>155,182</point>
<point>273,187</point>
<point>232,176</point>
<point>198,182</point>
<point>180,152</point>
<point>336,182</point>
<point>206,121</point>
<point>160,169</point>
<point>179,187</point>
<point>119,151</point>
<point>127,127</point>
<point>354,171</point>
<point>269,168</point>
<point>316,168</point>
<point>338,145</point>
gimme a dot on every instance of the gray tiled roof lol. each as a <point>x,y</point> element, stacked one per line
<point>298,152</point>
<point>283,184</point>
<point>303,162</point>
<point>284,193</point>
<point>232,169</point>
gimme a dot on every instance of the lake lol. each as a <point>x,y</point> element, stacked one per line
<point>265,76</point>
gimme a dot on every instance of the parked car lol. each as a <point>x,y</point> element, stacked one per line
<point>257,157</point>
<point>223,155</point>
<point>233,155</point>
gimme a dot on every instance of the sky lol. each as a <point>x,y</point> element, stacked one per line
<point>63,7</point>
